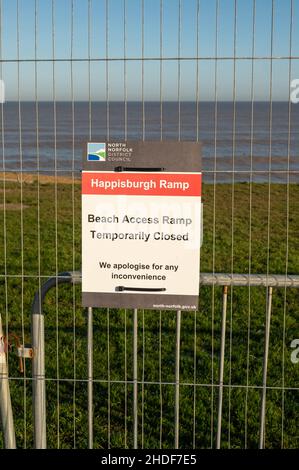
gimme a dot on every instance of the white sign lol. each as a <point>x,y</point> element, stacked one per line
<point>141,239</point>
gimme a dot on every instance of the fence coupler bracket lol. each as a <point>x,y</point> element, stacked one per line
<point>24,352</point>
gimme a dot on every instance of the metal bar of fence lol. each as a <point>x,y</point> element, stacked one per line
<point>154,58</point>
<point>177,380</point>
<point>38,360</point>
<point>74,277</point>
<point>221,367</point>
<point>6,415</point>
<point>253,280</point>
<point>16,175</point>
<point>206,279</point>
<point>265,368</point>
<point>38,382</point>
<point>90,375</point>
<point>135,378</point>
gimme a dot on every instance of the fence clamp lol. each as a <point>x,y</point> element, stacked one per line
<point>24,352</point>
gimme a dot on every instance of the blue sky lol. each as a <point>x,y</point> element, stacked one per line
<point>197,36</point>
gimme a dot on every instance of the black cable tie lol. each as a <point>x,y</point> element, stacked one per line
<point>119,169</point>
<point>139,289</point>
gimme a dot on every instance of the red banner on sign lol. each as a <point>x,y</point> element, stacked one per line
<point>142,184</point>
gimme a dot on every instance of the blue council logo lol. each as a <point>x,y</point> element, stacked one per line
<point>96,152</point>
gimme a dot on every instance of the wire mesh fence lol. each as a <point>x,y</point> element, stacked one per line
<point>219,72</point>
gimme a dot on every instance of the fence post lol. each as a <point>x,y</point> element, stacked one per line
<point>221,367</point>
<point>5,400</point>
<point>90,375</point>
<point>38,382</point>
<point>177,380</point>
<point>265,368</point>
<point>135,378</point>
<point>38,360</point>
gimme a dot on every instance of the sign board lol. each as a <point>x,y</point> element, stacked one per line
<point>141,225</point>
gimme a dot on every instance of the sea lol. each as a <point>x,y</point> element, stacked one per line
<point>241,141</point>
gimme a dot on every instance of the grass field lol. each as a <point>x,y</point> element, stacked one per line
<point>45,238</point>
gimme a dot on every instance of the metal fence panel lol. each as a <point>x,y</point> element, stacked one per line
<point>217,71</point>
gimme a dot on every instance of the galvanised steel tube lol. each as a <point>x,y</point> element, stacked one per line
<point>254,280</point>
<point>38,382</point>
<point>206,279</point>
<point>90,375</point>
<point>135,378</point>
<point>221,367</point>
<point>6,414</point>
<point>177,381</point>
<point>38,360</point>
<point>265,369</point>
